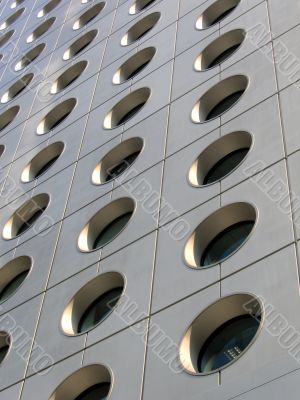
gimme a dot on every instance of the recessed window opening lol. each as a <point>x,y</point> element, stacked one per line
<point>216,13</point>
<point>106,224</point>
<point>140,29</point>
<point>219,99</point>
<point>48,8</point>
<point>5,343</point>
<point>68,77</point>
<point>26,216</point>
<point>221,334</point>
<point>140,5</point>
<point>79,45</point>
<point>40,30</point>
<point>5,38</point>
<point>42,162</point>
<point>88,16</point>
<point>7,117</point>
<point>11,19</point>
<point>220,235</point>
<point>29,57</point>
<point>17,88</point>
<point>13,275</point>
<point>220,158</point>
<point>134,65</point>
<point>92,382</point>
<point>220,50</point>
<point>56,116</point>
<point>127,108</point>
<point>16,3</point>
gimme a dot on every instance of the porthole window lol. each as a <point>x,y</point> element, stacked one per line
<point>7,117</point>
<point>106,224</point>
<point>68,77</point>
<point>17,88</point>
<point>5,38</point>
<point>29,57</point>
<point>92,382</point>
<point>25,216</point>
<point>219,50</point>
<point>118,160</point>
<point>42,162</point>
<point>93,303</point>
<point>219,99</point>
<point>88,16</point>
<point>48,8</point>
<point>140,5</point>
<point>127,108</point>
<point>4,345</point>
<point>220,235</point>
<point>140,29</point>
<point>10,20</point>
<point>220,158</point>
<point>134,65</point>
<point>221,334</point>
<point>16,3</point>
<point>12,275</point>
<point>56,116</point>
<point>79,45</point>
<point>216,13</point>
<point>40,30</point>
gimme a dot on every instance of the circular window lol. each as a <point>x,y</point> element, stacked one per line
<point>17,88</point>
<point>42,162</point>
<point>8,116</point>
<point>140,5</point>
<point>127,108</point>
<point>106,224</point>
<point>29,57</point>
<point>16,3</point>
<point>220,158</point>
<point>5,38</point>
<point>48,8</point>
<point>25,216</point>
<point>219,50</point>
<point>40,30</point>
<point>12,276</point>
<point>92,382</point>
<point>4,345</point>
<point>219,99</point>
<point>140,29</point>
<point>221,334</point>
<point>93,303</point>
<point>118,160</point>
<point>80,44</point>
<point>220,235</point>
<point>216,13</point>
<point>68,77</point>
<point>134,65</point>
<point>56,116</point>
<point>88,16</point>
<point>11,19</point>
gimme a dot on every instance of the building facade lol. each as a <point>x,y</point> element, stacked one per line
<point>150,199</point>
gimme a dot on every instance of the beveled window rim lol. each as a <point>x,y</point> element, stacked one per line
<point>53,19</point>
<point>9,337</point>
<point>78,17</point>
<point>216,23</point>
<point>84,61</point>
<point>19,11</point>
<point>86,48</point>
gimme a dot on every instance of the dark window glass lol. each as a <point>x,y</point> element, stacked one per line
<point>223,56</point>
<point>227,343</point>
<point>46,166</point>
<point>130,114</point>
<point>13,285</point>
<point>224,105</point>
<point>226,242</point>
<point>99,309</point>
<point>225,165</point>
<point>223,15</point>
<point>3,352</point>
<point>96,392</point>
<point>138,69</point>
<point>112,230</point>
<point>59,121</point>
<point>27,224</point>
<point>116,170</point>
